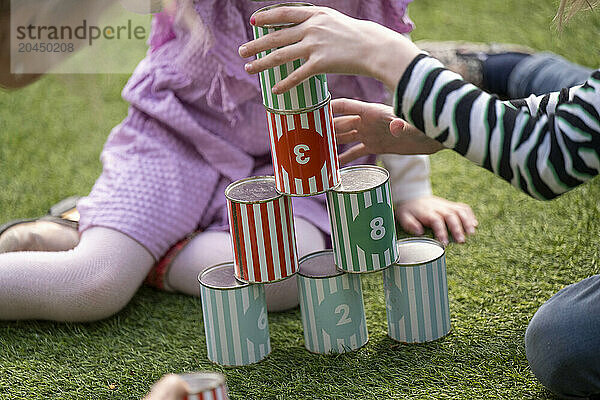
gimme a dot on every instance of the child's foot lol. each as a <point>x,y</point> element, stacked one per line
<point>56,231</point>
<point>38,235</point>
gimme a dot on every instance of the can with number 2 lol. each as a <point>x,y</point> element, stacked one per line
<point>331,304</point>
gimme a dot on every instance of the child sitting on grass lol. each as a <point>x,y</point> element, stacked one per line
<point>195,124</point>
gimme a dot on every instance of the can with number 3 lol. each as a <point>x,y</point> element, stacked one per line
<point>235,317</point>
<point>363,230</point>
<point>304,150</point>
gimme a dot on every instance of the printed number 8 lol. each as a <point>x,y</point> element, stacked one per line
<point>262,319</point>
<point>345,310</point>
<point>377,228</point>
<point>299,150</point>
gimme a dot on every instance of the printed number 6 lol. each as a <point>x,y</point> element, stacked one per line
<point>345,310</point>
<point>299,150</point>
<point>262,319</point>
<point>377,228</point>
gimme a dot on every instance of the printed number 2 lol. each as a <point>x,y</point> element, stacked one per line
<point>299,150</point>
<point>262,319</point>
<point>345,310</point>
<point>377,228</point>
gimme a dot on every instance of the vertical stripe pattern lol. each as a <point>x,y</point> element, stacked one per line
<point>236,334</point>
<point>264,240</point>
<point>307,94</point>
<point>417,302</point>
<point>304,151</point>
<point>363,230</point>
<point>333,314</point>
<point>219,393</point>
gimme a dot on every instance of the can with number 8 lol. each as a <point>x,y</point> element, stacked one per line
<point>363,230</point>
<point>331,304</point>
<point>235,317</point>
<point>304,150</point>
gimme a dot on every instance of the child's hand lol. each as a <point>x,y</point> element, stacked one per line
<point>437,213</point>
<point>329,41</point>
<point>169,387</point>
<point>374,126</point>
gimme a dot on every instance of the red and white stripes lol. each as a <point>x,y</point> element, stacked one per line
<point>219,393</point>
<point>264,241</point>
<point>304,151</point>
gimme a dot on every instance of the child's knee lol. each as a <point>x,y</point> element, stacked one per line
<point>282,295</point>
<point>309,238</point>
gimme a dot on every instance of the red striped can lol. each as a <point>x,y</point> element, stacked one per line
<point>262,231</point>
<point>205,386</point>
<point>304,150</point>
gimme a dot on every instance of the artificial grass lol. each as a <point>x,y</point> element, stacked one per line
<point>51,135</point>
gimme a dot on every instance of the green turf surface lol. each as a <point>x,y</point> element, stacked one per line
<point>51,135</point>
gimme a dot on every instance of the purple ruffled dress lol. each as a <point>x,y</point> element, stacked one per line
<point>196,123</point>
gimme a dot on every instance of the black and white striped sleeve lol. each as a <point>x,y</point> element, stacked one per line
<point>543,145</point>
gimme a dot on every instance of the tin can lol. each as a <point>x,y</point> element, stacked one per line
<point>363,230</point>
<point>262,231</point>
<point>235,317</point>
<point>304,151</point>
<point>416,292</point>
<point>205,386</point>
<point>331,304</point>
<point>307,94</point>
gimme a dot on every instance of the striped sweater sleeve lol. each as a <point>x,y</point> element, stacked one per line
<point>543,145</point>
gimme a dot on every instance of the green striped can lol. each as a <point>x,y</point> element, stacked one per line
<point>363,230</point>
<point>416,292</point>
<point>235,317</point>
<point>307,94</point>
<point>331,304</point>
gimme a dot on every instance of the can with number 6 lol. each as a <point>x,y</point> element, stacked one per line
<point>331,304</point>
<point>363,230</point>
<point>235,317</point>
<point>304,150</point>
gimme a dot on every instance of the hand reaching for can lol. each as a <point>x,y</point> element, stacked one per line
<point>329,41</point>
<point>377,131</point>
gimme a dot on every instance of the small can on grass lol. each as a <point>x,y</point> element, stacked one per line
<point>331,304</point>
<point>307,94</point>
<point>262,231</point>
<point>205,386</point>
<point>235,317</point>
<point>416,292</point>
<point>363,229</point>
<point>304,150</point>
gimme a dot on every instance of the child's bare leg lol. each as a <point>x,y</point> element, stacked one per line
<point>93,281</point>
<point>210,248</point>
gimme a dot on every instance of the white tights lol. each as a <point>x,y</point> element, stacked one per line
<point>102,273</point>
<point>194,258</point>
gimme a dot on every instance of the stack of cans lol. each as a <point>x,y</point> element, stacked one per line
<point>360,207</point>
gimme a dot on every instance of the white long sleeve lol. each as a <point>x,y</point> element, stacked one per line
<point>409,176</point>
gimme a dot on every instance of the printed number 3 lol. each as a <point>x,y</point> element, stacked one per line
<point>262,319</point>
<point>299,150</point>
<point>345,310</point>
<point>377,228</point>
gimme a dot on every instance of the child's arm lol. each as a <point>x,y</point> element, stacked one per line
<point>545,149</point>
<point>415,206</point>
<point>544,154</point>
